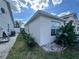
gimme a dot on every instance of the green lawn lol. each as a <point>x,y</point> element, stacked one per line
<point>21,51</point>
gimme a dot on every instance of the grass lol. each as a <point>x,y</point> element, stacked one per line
<point>21,51</point>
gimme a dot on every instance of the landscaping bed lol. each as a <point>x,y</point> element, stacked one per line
<point>21,51</point>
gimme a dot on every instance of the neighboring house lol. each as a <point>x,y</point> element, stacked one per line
<point>6,18</point>
<point>43,27</point>
<point>74,18</point>
<point>77,26</point>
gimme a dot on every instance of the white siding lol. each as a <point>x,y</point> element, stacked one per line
<point>34,29</point>
<point>40,29</point>
<point>45,30</point>
<point>26,28</point>
<point>76,28</point>
<point>70,18</point>
<point>5,18</point>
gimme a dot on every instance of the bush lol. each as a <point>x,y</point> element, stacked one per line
<point>24,34</point>
<point>29,40</point>
<point>66,36</point>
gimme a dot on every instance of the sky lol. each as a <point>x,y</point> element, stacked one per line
<point>24,9</point>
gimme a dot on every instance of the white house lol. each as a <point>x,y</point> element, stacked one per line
<point>43,27</point>
<point>6,18</point>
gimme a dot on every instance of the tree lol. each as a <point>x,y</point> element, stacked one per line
<point>17,25</point>
<point>66,36</point>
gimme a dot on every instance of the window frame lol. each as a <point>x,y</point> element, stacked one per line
<point>55,29</point>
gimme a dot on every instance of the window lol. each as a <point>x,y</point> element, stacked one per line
<point>54,28</point>
<point>54,31</point>
<point>2,10</point>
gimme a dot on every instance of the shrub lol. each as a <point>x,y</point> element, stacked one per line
<point>24,34</point>
<point>29,40</point>
<point>66,36</point>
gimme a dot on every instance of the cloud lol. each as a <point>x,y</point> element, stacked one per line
<point>14,5</point>
<point>17,5</point>
<point>18,19</point>
<point>39,4</point>
<point>53,13</point>
<point>64,13</point>
<point>56,2</point>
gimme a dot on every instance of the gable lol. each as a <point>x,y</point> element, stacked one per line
<point>42,13</point>
<point>6,14</point>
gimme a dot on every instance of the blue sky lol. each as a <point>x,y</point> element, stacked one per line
<point>66,6</point>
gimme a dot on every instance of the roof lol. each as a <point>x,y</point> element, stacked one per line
<point>69,15</point>
<point>74,15</point>
<point>42,13</point>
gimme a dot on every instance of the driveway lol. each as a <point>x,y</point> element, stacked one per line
<point>6,47</point>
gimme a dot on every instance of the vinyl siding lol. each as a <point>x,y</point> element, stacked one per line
<point>5,18</point>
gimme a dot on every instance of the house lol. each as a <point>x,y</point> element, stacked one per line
<point>6,17</point>
<point>43,27</point>
<point>74,18</point>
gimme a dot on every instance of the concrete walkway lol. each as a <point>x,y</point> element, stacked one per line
<point>6,47</point>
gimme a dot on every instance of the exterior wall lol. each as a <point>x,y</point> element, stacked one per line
<point>34,29</point>
<point>77,27</point>
<point>45,30</point>
<point>70,18</point>
<point>5,18</point>
<point>17,30</point>
<point>26,28</point>
<point>40,29</point>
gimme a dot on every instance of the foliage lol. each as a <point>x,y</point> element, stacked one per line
<point>21,51</point>
<point>24,34</point>
<point>17,25</point>
<point>66,36</point>
<point>28,39</point>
